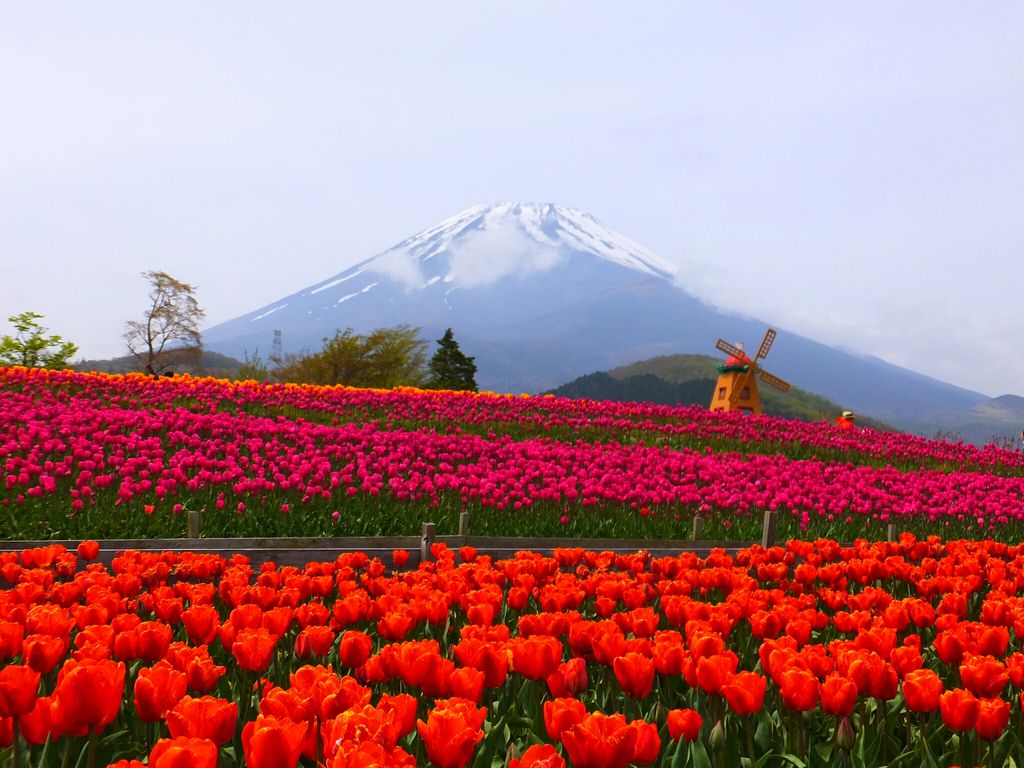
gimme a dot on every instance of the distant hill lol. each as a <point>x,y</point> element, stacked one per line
<point>690,380</point>
<point>212,364</point>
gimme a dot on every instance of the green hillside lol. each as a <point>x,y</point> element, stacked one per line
<point>690,379</point>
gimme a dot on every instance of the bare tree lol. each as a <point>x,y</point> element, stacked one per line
<point>168,335</point>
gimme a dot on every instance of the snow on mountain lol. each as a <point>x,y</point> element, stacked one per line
<point>486,267</point>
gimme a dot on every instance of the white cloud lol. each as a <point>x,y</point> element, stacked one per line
<point>484,256</point>
<point>398,265</point>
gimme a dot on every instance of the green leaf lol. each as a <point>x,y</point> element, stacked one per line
<point>699,755</point>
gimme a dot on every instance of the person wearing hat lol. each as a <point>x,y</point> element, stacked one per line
<point>845,420</point>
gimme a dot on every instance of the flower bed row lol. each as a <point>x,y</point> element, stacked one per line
<point>522,416</point>
<point>106,465</point>
<point>814,654</point>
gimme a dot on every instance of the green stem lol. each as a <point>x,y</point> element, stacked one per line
<point>748,727</point>
<point>19,758</point>
<point>91,762</point>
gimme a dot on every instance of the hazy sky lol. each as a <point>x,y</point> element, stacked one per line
<point>853,172</point>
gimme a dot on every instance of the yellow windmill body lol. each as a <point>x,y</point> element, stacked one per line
<point>736,389</point>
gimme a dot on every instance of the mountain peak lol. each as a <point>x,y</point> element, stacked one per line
<point>557,230</point>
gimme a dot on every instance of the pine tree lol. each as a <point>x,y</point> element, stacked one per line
<point>450,368</point>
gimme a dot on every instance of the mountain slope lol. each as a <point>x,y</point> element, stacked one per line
<point>541,294</point>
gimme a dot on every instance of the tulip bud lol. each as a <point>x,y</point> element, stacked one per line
<point>717,738</point>
<point>845,735</point>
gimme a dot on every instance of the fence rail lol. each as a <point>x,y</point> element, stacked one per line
<point>301,550</point>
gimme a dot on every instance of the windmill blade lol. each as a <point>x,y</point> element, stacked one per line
<point>775,381</point>
<point>729,349</point>
<point>766,344</point>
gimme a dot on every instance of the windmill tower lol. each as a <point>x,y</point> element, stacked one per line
<point>737,378</point>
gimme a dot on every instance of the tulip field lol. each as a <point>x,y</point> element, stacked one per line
<point>833,649</point>
<point>85,455</point>
<point>896,653</point>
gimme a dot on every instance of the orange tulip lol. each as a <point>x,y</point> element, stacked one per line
<point>635,674</point>
<point>253,649</point>
<point>838,695</point>
<point>89,550</point>
<point>449,740</point>
<point>536,657</point>
<point>921,690</point>
<point>648,743</point>
<point>183,752</point>
<point>158,689</point>
<point>354,648</point>
<point>205,718</point>
<point>745,692</point>
<point>43,652</point>
<point>201,623</point>
<point>539,756</point>
<point>272,743</point>
<point>35,726</point>
<point>569,679</point>
<point>12,634</point>
<point>600,741</point>
<point>984,676</point>
<point>88,694</point>
<point>18,687</point>
<point>959,708</point>
<point>685,723</point>
<point>993,715</point>
<point>314,641</point>
<point>715,671</point>
<point>799,689</point>
<point>562,714</point>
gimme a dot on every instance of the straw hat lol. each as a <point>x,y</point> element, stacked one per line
<point>848,414</point>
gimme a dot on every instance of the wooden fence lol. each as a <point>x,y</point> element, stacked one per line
<point>301,550</point>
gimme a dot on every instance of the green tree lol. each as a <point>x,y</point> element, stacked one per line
<point>31,347</point>
<point>254,368</point>
<point>450,368</point>
<point>168,334</point>
<point>387,357</point>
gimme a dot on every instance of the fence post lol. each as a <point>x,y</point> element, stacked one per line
<point>193,523</point>
<point>427,540</point>
<point>698,527</point>
<point>890,531</point>
<point>771,517</point>
<point>464,524</point>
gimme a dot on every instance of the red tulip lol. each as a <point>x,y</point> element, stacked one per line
<point>272,743</point>
<point>635,674</point>
<point>562,714</point>
<point>18,687</point>
<point>449,740</point>
<point>838,695</point>
<point>745,692</point>
<point>993,715</point>
<point>600,741</point>
<point>88,694</point>
<point>205,718</point>
<point>539,756</point>
<point>922,689</point>
<point>959,709</point>
<point>684,723</point>
<point>158,689</point>
<point>183,752</point>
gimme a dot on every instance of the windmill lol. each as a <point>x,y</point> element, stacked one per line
<point>737,377</point>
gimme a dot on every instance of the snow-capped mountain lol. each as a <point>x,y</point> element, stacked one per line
<point>485,268</point>
<point>541,294</point>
